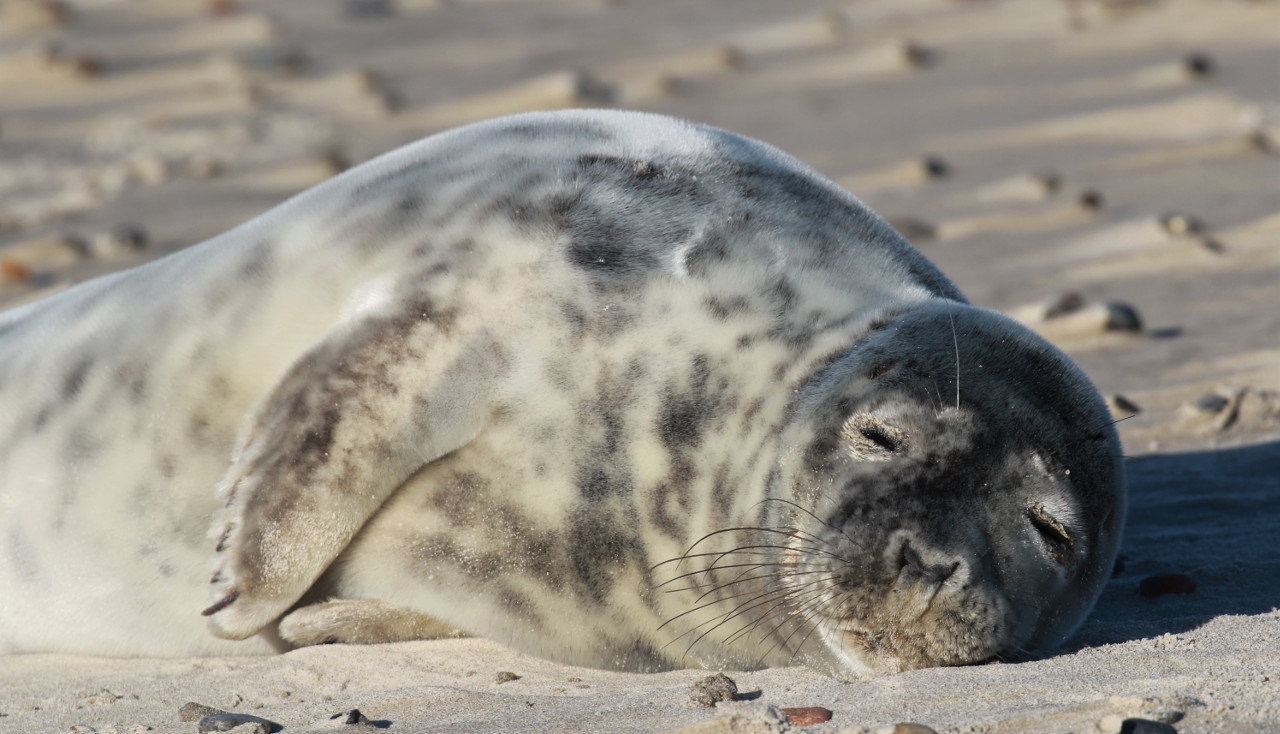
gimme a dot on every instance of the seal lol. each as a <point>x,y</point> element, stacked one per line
<point>611,388</point>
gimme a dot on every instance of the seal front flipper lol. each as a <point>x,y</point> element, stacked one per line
<point>377,398</point>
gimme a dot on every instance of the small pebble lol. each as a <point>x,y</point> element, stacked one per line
<point>220,8</point>
<point>1199,65</point>
<point>102,698</point>
<point>807,715</point>
<point>1180,225</point>
<point>1066,302</point>
<point>1261,141</point>
<point>713,689</point>
<point>915,55</point>
<point>1122,317</point>
<point>1145,726</point>
<point>354,9</point>
<point>506,676</point>
<point>1048,182</point>
<point>240,723</point>
<point>1121,406</point>
<point>353,717</point>
<point>192,711</point>
<point>1164,584</point>
<point>204,165</point>
<point>273,57</point>
<point>1211,403</point>
<point>910,728</point>
<point>125,239</point>
<point>13,270</point>
<point>914,230</point>
<point>82,66</point>
<point>934,167</point>
<point>1091,200</point>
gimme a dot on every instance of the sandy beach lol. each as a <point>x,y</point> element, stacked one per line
<point>1105,171</point>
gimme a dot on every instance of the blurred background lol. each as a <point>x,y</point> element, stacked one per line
<point>1105,171</point>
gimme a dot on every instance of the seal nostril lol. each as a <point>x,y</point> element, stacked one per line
<point>910,560</point>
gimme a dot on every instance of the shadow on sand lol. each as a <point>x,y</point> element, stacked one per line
<point>1212,515</point>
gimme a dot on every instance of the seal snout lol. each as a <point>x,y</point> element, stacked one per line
<point>925,577</point>
<point>929,567</point>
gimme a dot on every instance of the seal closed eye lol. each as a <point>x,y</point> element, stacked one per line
<point>608,387</point>
<point>1055,537</point>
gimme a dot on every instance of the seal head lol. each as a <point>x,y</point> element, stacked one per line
<point>915,524</point>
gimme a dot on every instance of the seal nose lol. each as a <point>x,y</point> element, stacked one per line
<point>929,566</point>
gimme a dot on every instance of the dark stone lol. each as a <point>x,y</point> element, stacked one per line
<point>1145,726</point>
<point>352,717</point>
<point>1211,403</point>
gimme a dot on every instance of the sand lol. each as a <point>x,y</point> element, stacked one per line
<point>1111,163</point>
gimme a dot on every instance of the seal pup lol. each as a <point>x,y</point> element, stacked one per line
<point>611,388</point>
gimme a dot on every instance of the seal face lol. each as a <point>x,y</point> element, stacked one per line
<point>608,387</point>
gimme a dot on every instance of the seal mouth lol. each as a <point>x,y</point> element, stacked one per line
<point>859,650</point>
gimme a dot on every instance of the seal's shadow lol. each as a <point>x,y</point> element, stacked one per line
<point>1212,515</point>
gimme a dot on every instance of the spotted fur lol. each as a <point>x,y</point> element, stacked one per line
<point>611,388</point>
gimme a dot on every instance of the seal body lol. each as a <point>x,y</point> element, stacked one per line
<point>608,387</point>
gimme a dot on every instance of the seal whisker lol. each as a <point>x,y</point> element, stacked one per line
<point>756,599</point>
<point>783,573</point>
<point>744,607</point>
<point>797,593</point>
<point>689,554</point>
<point>721,587</point>
<point>739,579</point>
<point>806,537</point>
<point>769,597</point>
<point>819,549</point>
<point>806,621</point>
<point>710,569</point>
<point>955,341</point>
<point>810,513</point>
<point>935,404</point>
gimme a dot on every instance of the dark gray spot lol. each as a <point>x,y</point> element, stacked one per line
<point>42,418</point>
<point>722,309</point>
<point>685,412</point>
<point>519,606</point>
<point>678,484</point>
<point>135,378</point>
<point>599,547</point>
<point>74,380</point>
